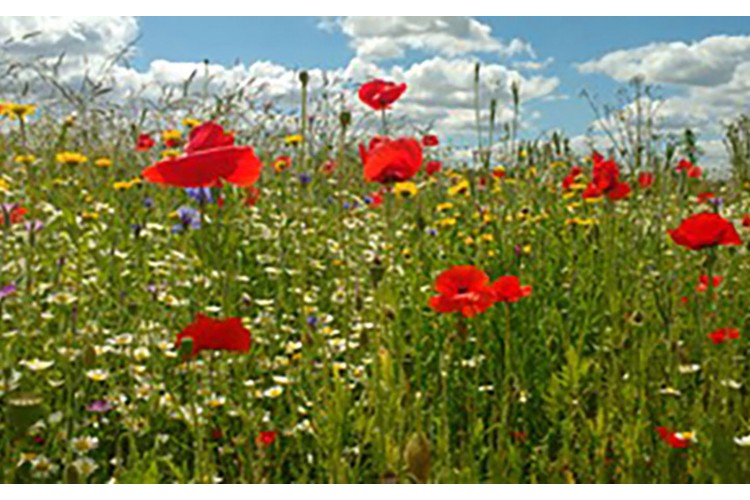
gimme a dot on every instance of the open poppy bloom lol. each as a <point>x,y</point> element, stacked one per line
<point>509,289</point>
<point>144,142</point>
<point>380,94</point>
<point>430,140</point>
<point>704,197</point>
<point>676,439</point>
<point>390,161</point>
<point>645,179</point>
<point>265,438</point>
<point>11,213</point>
<point>210,334</point>
<point>462,289</point>
<point>433,167</point>
<point>721,335</point>
<point>703,282</point>
<point>705,230</point>
<point>606,180</point>
<point>211,157</point>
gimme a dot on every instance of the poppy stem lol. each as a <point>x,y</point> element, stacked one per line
<point>385,123</point>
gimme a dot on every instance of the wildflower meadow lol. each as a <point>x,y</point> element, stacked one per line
<point>211,287</point>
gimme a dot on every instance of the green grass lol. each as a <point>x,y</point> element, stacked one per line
<point>381,388</point>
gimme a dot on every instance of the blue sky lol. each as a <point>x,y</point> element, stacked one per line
<point>298,42</point>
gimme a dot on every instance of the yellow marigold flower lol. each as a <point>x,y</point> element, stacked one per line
<point>468,240</point>
<point>103,162</point>
<point>579,221</point>
<point>17,110</point>
<point>443,207</point>
<point>191,122</point>
<point>291,140</point>
<point>594,200</point>
<point>526,249</point>
<point>461,188</point>
<point>25,159</point>
<point>405,189</point>
<point>499,170</point>
<point>90,216</point>
<point>406,253</point>
<point>578,186</point>
<point>71,158</point>
<point>122,185</point>
<point>531,172</point>
<point>171,135</point>
<point>4,186</point>
<point>447,222</point>
<point>557,164</point>
<point>568,195</point>
<point>523,154</point>
<point>487,237</point>
<point>491,253</point>
<point>170,153</point>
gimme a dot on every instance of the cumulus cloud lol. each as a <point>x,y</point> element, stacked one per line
<point>388,37</point>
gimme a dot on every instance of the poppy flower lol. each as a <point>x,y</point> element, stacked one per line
<point>364,152</point>
<point>509,289</point>
<point>462,289</point>
<point>328,167</point>
<point>703,282</point>
<point>433,167</point>
<point>144,142</point>
<point>252,196</point>
<point>265,438</point>
<point>676,439</point>
<point>11,213</point>
<point>606,180</point>
<point>645,180</point>
<point>705,230</point>
<point>721,335</point>
<point>374,200</point>
<point>430,140</point>
<point>210,334</point>
<point>211,157</point>
<point>380,94</point>
<point>392,160</point>
<point>746,221</point>
<point>282,163</point>
<point>705,196</point>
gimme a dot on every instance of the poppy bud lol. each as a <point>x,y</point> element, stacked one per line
<point>71,475</point>
<point>88,357</point>
<point>304,77</point>
<point>417,456</point>
<point>345,118</point>
<point>186,348</point>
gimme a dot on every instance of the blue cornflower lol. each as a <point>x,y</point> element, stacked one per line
<point>190,218</point>
<point>203,194</point>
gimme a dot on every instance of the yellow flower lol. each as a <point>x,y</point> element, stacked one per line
<point>4,186</point>
<point>103,162</point>
<point>122,185</point>
<point>461,188</point>
<point>447,222</point>
<point>25,159</point>
<point>89,216</point>
<point>487,237</point>
<point>405,189</point>
<point>468,241</point>
<point>191,122</point>
<point>97,375</point>
<point>171,135</point>
<point>580,221</point>
<point>291,140</point>
<point>71,158</point>
<point>498,171</point>
<point>17,110</point>
<point>170,153</point>
<point>443,207</point>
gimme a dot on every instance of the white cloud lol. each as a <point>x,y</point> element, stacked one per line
<point>387,37</point>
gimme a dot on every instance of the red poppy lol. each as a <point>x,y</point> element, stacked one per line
<point>364,152</point>
<point>282,163</point>
<point>746,221</point>
<point>703,282</point>
<point>13,213</point>
<point>433,167</point>
<point>645,180</point>
<point>430,140</point>
<point>721,335</point>
<point>392,160</point>
<point>379,94</point>
<point>674,439</point>
<point>376,199</point>
<point>210,334</point>
<point>705,196</point>
<point>509,289</point>
<point>252,196</point>
<point>705,230</point>
<point>462,289</point>
<point>606,180</point>
<point>265,438</point>
<point>144,142</point>
<point>592,191</point>
<point>687,167</point>
<point>695,172</point>
<point>568,182</point>
<point>328,167</point>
